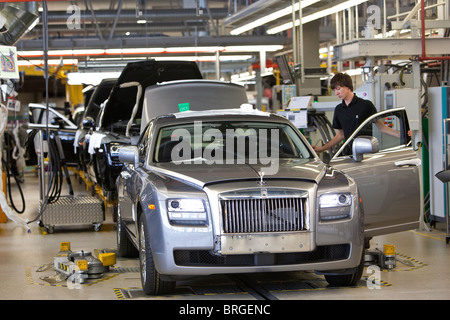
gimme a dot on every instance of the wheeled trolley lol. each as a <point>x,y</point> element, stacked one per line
<point>73,211</point>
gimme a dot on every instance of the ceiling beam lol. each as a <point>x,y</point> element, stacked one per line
<point>130,15</point>
<point>149,42</point>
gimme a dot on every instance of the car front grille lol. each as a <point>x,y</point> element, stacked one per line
<point>250,215</point>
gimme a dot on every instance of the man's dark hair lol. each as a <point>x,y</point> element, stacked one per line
<point>342,80</point>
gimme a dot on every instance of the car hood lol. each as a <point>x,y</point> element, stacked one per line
<point>202,174</point>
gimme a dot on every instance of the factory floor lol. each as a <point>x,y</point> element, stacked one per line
<point>26,267</point>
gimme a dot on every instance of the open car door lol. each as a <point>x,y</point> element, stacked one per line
<point>379,156</point>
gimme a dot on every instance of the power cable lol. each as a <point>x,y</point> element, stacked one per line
<point>9,172</point>
<point>3,202</point>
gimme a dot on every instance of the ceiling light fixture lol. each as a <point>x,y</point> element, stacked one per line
<point>134,51</point>
<point>193,49</point>
<point>203,58</point>
<point>142,51</point>
<point>317,15</point>
<point>51,62</point>
<point>271,17</point>
<point>210,58</point>
<point>268,48</point>
<point>93,78</point>
<point>81,52</point>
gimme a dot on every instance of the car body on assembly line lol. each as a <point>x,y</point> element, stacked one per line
<point>158,99</point>
<point>88,125</point>
<point>238,191</point>
<point>120,117</point>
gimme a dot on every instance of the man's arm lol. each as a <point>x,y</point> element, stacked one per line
<point>336,140</point>
<point>387,130</point>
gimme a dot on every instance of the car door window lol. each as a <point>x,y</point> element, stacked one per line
<point>389,127</point>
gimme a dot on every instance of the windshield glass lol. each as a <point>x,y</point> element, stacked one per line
<point>228,142</point>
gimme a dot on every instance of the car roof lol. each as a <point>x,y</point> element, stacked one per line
<point>193,95</point>
<point>246,112</point>
<point>245,109</point>
<point>187,81</point>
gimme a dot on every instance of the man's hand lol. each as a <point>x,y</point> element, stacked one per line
<point>336,140</point>
<point>318,149</point>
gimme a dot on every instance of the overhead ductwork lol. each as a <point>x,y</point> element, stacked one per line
<point>156,15</point>
<point>19,18</point>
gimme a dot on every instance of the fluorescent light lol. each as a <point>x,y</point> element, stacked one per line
<point>337,8</point>
<point>210,58</point>
<point>112,58</point>
<point>88,52</point>
<point>203,58</point>
<point>80,52</point>
<point>325,50</point>
<point>142,51</point>
<point>134,51</point>
<point>35,22</point>
<point>245,76</point>
<point>35,53</point>
<point>317,15</point>
<point>271,17</point>
<point>60,52</point>
<point>194,49</point>
<point>354,72</point>
<point>267,48</point>
<point>141,21</point>
<point>51,62</point>
<point>118,51</point>
<point>235,58</point>
<point>93,78</point>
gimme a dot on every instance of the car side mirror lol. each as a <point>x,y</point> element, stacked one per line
<point>126,154</point>
<point>443,176</point>
<point>364,144</point>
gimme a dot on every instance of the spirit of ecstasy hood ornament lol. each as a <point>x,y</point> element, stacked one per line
<point>261,176</point>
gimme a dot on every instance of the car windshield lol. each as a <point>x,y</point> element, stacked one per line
<point>228,142</point>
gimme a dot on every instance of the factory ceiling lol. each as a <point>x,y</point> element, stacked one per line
<point>126,24</point>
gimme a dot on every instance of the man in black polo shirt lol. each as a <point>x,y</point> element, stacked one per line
<point>349,114</point>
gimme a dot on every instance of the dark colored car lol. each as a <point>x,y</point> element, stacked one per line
<point>87,126</point>
<point>120,119</point>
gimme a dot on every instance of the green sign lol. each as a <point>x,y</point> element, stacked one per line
<point>183,106</point>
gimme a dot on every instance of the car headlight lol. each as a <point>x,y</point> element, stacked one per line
<point>335,206</point>
<point>190,211</point>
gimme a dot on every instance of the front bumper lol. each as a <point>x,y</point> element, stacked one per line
<point>194,251</point>
<point>204,250</point>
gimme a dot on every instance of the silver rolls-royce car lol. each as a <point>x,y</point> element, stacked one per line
<point>238,191</point>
